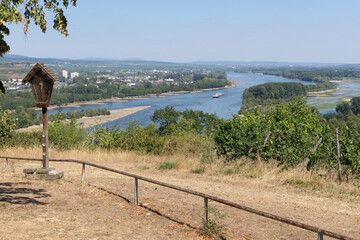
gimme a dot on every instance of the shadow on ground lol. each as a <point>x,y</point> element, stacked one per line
<point>14,193</point>
<point>149,209</point>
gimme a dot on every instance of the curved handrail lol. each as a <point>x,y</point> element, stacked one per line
<point>320,231</point>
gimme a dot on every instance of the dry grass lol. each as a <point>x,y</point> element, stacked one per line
<point>300,196</point>
<point>268,173</point>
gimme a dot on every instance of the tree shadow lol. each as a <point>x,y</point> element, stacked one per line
<point>10,193</point>
<point>157,212</point>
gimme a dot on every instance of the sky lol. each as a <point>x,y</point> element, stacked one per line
<point>323,31</point>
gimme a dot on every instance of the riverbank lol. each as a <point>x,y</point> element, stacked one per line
<point>323,93</point>
<point>86,122</point>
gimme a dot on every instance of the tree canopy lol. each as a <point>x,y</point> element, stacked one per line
<point>26,11</point>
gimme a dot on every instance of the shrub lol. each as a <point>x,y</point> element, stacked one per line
<point>214,228</point>
<point>64,134</point>
<point>7,125</point>
<point>295,129</point>
<point>24,139</point>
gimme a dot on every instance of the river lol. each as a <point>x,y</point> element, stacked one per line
<point>346,90</point>
<point>229,103</point>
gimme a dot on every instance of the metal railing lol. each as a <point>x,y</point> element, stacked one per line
<point>321,232</point>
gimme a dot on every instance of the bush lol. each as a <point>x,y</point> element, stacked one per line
<point>24,139</point>
<point>295,129</point>
<point>7,126</point>
<point>64,134</point>
<point>214,229</point>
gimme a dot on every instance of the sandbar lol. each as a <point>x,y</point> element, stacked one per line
<point>86,122</point>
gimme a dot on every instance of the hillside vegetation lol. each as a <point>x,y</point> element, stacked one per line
<point>293,128</point>
<point>269,94</point>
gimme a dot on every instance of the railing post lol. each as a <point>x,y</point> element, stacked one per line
<point>83,173</point>
<point>206,211</point>
<point>7,164</point>
<point>136,193</point>
<point>320,236</point>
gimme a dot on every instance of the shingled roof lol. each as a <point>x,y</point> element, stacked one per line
<point>45,71</point>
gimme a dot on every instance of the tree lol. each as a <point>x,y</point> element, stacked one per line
<point>355,105</point>
<point>25,11</point>
<point>344,108</point>
<point>165,117</point>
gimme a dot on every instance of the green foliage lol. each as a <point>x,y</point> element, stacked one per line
<point>24,139</point>
<point>295,128</point>
<point>214,228</point>
<point>25,11</point>
<point>149,139</point>
<point>7,126</point>
<point>349,139</point>
<point>319,76</point>
<point>343,108</point>
<point>170,120</point>
<point>165,117</point>
<point>320,87</point>
<point>65,135</point>
<point>270,94</point>
<point>235,137</point>
<point>355,105</point>
<point>167,165</point>
<point>133,138</point>
<point>347,115</point>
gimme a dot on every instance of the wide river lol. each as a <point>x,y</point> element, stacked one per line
<point>229,103</point>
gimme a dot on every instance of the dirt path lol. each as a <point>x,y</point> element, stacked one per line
<point>63,210</point>
<point>99,209</point>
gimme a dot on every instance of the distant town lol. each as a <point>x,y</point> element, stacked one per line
<point>96,77</point>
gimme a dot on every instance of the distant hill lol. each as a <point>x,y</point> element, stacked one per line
<point>95,60</point>
<point>90,60</point>
<point>265,64</point>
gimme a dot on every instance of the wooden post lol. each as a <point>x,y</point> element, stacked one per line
<point>338,152</point>
<point>305,163</point>
<point>45,155</point>
<point>266,139</point>
<point>206,211</point>
<point>83,173</point>
<point>136,192</point>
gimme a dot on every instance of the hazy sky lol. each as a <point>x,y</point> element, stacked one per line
<point>191,30</point>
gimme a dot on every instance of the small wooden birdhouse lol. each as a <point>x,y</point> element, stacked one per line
<point>41,81</point>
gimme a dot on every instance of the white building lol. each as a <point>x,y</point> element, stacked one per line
<point>65,73</point>
<point>74,75</point>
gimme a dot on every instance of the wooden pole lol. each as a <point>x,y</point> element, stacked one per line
<point>45,155</point>
<point>266,139</point>
<point>338,152</point>
<point>305,163</point>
